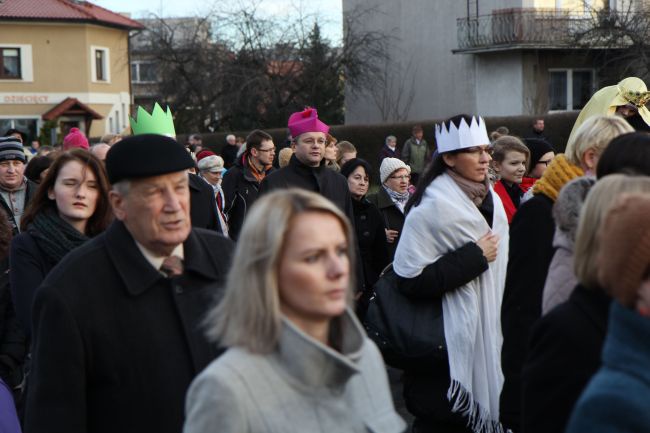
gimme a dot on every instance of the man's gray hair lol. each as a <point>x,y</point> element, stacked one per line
<point>122,187</point>
<point>391,138</point>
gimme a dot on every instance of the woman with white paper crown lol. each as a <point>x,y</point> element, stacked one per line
<point>454,246</point>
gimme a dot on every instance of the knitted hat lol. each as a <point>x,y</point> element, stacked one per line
<point>351,165</point>
<point>146,155</point>
<point>538,147</point>
<point>388,167</point>
<point>624,252</point>
<point>306,121</point>
<point>212,163</point>
<point>11,148</point>
<point>75,138</point>
<point>202,154</point>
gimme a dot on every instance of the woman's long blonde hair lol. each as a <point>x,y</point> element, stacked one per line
<point>249,313</point>
<point>600,199</point>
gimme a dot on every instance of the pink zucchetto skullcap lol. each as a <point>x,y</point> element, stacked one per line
<point>75,139</point>
<point>306,121</point>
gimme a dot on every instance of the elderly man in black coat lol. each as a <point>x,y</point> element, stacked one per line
<point>116,325</point>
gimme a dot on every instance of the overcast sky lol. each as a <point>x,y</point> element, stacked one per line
<point>329,10</point>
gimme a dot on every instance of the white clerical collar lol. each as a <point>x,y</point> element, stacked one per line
<point>155,260</point>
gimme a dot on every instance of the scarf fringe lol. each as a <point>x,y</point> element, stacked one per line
<point>478,417</point>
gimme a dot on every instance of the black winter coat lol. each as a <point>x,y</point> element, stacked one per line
<point>393,217</point>
<point>13,343</point>
<point>563,355</point>
<point>29,267</point>
<point>229,155</point>
<point>240,189</point>
<point>203,205</point>
<point>371,238</point>
<point>29,193</point>
<point>321,179</point>
<point>387,152</point>
<point>531,251</point>
<point>329,183</point>
<point>115,343</point>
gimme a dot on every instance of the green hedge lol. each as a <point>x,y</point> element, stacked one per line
<point>368,139</point>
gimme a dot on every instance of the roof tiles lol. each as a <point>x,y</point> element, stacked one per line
<point>63,10</point>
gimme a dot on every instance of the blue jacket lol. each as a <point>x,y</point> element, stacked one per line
<point>618,397</point>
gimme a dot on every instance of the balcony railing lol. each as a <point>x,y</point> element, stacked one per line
<point>519,28</point>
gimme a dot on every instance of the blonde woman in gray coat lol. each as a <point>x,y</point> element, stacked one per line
<point>298,359</point>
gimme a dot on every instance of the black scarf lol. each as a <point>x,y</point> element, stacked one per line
<point>55,236</point>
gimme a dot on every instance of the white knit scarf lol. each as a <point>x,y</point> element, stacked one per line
<point>444,221</point>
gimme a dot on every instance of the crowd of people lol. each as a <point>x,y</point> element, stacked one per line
<point>152,285</point>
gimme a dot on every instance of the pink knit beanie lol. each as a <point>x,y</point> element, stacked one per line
<point>306,121</point>
<point>75,138</point>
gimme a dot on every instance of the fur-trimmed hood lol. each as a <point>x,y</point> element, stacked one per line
<point>566,211</point>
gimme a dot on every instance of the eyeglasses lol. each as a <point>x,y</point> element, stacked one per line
<point>477,150</point>
<point>271,149</point>
<point>402,177</point>
<point>546,163</point>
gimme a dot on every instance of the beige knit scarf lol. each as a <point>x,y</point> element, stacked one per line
<point>476,191</point>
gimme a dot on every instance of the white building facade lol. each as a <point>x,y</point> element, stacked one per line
<point>491,57</point>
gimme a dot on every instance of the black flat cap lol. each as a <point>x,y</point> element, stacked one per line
<point>146,155</point>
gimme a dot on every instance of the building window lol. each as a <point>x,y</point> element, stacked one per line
<point>100,69</point>
<point>27,124</point>
<point>624,5</point>
<point>100,62</point>
<point>143,72</point>
<point>10,59</point>
<point>570,89</point>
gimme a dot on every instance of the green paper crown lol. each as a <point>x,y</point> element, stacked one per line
<point>158,122</point>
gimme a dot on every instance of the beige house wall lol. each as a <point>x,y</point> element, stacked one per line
<point>62,66</point>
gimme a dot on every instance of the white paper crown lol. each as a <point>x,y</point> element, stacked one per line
<point>463,137</point>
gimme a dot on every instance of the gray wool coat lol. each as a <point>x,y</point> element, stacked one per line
<point>302,387</point>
